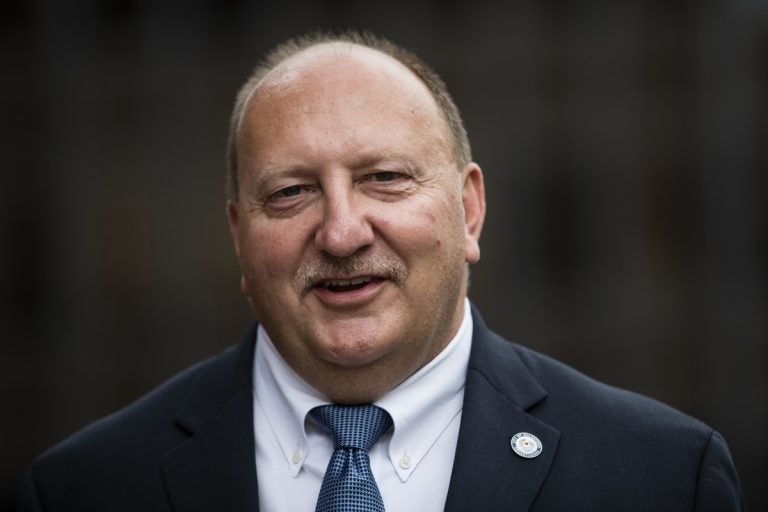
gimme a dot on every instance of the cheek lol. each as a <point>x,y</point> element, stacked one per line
<point>267,251</point>
<point>418,231</point>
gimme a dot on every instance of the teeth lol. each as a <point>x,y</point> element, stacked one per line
<point>346,282</point>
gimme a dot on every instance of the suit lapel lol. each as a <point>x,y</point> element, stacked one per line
<point>215,468</point>
<point>499,393</point>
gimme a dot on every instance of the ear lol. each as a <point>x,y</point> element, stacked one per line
<point>233,217</point>
<point>473,199</point>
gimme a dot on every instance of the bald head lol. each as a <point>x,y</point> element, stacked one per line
<point>359,95</point>
<point>325,54</point>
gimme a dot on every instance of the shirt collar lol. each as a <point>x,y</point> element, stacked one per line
<point>421,407</point>
<point>285,399</point>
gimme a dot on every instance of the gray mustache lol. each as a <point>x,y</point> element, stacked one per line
<point>386,266</point>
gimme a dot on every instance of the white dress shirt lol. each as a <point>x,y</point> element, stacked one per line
<point>412,463</point>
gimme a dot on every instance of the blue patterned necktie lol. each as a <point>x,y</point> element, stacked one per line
<point>348,485</point>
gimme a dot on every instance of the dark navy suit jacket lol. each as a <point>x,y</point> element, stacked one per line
<point>189,446</point>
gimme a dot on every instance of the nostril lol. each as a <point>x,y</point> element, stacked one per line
<point>342,235</point>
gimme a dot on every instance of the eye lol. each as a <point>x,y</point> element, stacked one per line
<point>387,185</point>
<point>287,196</point>
<point>385,176</point>
<point>291,191</point>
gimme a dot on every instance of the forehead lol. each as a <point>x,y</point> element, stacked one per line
<point>339,65</point>
<point>338,104</point>
<point>339,79</point>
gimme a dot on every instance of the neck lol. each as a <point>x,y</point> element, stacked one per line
<point>364,384</point>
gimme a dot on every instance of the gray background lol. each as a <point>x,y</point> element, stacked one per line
<point>624,149</point>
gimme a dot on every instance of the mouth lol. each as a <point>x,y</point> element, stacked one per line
<point>347,285</point>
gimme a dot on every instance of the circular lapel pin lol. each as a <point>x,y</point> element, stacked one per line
<point>526,445</point>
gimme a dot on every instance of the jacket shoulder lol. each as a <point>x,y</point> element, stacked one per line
<point>614,449</point>
<point>571,393</point>
<point>627,437</point>
<point>127,446</point>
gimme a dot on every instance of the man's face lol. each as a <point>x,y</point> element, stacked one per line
<point>353,226</point>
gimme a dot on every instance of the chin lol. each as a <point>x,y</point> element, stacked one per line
<point>354,354</point>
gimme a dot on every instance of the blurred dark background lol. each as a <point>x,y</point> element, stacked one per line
<point>624,149</point>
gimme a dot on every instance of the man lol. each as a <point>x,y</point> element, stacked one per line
<point>355,210</point>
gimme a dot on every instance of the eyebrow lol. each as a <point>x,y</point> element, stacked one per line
<point>269,173</point>
<point>368,160</point>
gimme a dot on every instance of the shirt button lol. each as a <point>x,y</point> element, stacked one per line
<point>296,457</point>
<point>405,462</point>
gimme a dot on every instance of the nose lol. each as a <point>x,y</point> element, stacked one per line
<point>345,227</point>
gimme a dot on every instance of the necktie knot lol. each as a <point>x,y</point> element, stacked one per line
<point>356,426</point>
